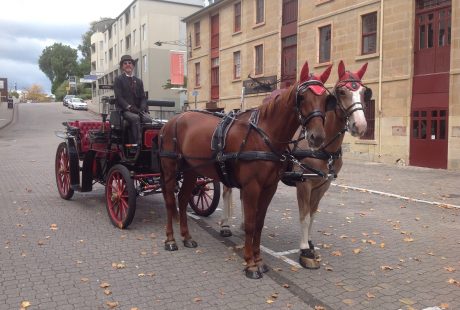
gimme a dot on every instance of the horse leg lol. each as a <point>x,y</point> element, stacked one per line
<point>307,256</point>
<point>250,195</point>
<point>264,201</point>
<point>188,184</point>
<point>227,212</point>
<point>168,178</point>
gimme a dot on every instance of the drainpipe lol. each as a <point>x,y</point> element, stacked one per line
<point>380,79</point>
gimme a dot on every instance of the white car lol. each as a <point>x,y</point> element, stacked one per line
<point>78,104</point>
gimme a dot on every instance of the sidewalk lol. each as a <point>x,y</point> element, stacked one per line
<point>433,185</point>
<point>6,115</point>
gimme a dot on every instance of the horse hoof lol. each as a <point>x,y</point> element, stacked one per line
<point>190,243</point>
<point>263,268</point>
<point>225,232</point>
<point>171,246</point>
<point>309,263</point>
<point>253,274</point>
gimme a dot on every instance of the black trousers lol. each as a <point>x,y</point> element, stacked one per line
<point>135,120</point>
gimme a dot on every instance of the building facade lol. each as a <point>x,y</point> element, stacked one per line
<point>412,49</point>
<point>148,30</point>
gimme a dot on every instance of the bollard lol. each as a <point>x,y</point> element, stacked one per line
<point>10,103</point>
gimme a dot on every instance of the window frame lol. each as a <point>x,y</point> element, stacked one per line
<point>237,65</point>
<point>365,35</point>
<point>237,17</point>
<point>320,49</point>
<point>197,75</point>
<point>197,33</point>
<point>257,60</point>
<point>259,12</point>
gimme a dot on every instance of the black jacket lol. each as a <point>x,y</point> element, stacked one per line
<point>129,91</point>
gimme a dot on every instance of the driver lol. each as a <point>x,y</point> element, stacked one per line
<point>131,99</point>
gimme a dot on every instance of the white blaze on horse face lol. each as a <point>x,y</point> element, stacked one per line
<point>357,120</point>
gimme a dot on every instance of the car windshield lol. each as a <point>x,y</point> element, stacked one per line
<point>77,100</point>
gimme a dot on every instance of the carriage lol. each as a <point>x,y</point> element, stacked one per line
<point>97,152</point>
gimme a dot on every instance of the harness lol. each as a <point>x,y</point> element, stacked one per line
<point>220,158</point>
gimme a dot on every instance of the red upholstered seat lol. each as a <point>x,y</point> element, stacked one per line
<point>85,126</point>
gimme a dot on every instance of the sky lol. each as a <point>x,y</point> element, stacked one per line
<point>29,26</point>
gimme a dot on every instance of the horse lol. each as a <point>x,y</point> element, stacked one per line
<point>249,154</point>
<point>348,115</point>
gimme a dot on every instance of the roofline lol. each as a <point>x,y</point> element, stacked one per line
<point>204,10</point>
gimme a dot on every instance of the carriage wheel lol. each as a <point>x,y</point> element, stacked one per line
<point>205,196</point>
<point>120,196</point>
<point>62,169</point>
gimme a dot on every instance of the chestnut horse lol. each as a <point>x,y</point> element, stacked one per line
<point>348,115</point>
<point>253,153</point>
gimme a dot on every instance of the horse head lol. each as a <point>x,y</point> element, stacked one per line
<point>311,96</point>
<point>352,95</point>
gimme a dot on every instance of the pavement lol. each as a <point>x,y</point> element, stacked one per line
<point>388,236</point>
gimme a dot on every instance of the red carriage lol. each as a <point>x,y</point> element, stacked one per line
<point>96,152</point>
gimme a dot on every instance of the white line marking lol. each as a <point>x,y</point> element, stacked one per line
<point>196,217</point>
<point>396,196</point>
<point>282,257</point>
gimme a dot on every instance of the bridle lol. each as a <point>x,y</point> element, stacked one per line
<point>354,85</point>
<point>301,88</point>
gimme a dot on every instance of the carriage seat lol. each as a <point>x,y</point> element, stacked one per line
<point>85,128</point>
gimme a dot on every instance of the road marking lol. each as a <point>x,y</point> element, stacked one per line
<point>282,257</point>
<point>396,196</point>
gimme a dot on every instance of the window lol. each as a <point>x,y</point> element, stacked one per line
<point>144,60</point>
<point>259,59</point>
<point>197,75</point>
<point>114,28</point>
<point>369,33</point>
<point>101,46</point>
<point>324,44</point>
<point>128,42</point>
<point>369,112</point>
<point>127,17</point>
<point>121,46</point>
<point>105,57</point>
<point>197,34</point>
<point>110,33</point>
<point>115,50</point>
<point>237,20</point>
<point>134,12</point>
<point>144,32</point>
<point>134,38</point>
<point>289,11</point>
<point>110,54</point>
<point>121,23</point>
<point>260,11</point>
<point>105,37</point>
<point>237,65</point>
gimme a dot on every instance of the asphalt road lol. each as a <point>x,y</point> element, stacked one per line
<point>378,251</point>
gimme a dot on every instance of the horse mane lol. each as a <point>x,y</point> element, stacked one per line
<point>266,109</point>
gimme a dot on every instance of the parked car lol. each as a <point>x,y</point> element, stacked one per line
<point>77,104</point>
<point>65,101</point>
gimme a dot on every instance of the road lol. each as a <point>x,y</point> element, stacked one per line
<point>378,251</point>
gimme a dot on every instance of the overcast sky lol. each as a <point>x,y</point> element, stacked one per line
<point>28,26</point>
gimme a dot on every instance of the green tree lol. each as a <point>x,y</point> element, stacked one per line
<point>58,62</point>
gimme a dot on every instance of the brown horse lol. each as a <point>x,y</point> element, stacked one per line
<point>252,157</point>
<point>348,115</point>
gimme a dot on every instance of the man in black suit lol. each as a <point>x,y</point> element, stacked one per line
<point>131,99</point>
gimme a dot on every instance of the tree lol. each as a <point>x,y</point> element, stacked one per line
<point>58,62</point>
<point>35,93</point>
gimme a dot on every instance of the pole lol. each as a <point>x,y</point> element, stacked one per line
<point>195,103</point>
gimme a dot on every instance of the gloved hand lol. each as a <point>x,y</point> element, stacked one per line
<point>134,109</point>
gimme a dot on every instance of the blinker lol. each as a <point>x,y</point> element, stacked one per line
<point>367,94</point>
<point>331,103</point>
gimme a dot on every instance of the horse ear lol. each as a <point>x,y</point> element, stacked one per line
<point>341,69</point>
<point>304,74</point>
<point>361,71</point>
<point>326,74</point>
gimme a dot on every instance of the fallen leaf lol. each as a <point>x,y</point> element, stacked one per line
<point>197,299</point>
<point>319,308</point>
<point>370,295</point>
<point>107,292</point>
<point>371,242</point>
<point>357,251</point>
<point>41,242</point>
<point>294,269</point>
<point>408,239</point>
<point>274,295</point>
<point>348,301</point>
<point>25,304</point>
<point>328,268</point>
<point>84,279</point>
<point>269,301</point>
<point>452,281</point>
<point>449,269</point>
<point>112,304</point>
<point>386,268</point>
<point>285,285</point>
<point>382,245</point>
<point>336,253</point>
<point>444,306</point>
<point>53,227</point>
<point>407,301</point>
<point>104,285</point>
<point>120,265</point>
<point>135,308</point>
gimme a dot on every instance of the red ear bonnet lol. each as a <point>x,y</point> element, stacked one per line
<point>304,74</point>
<point>361,71</point>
